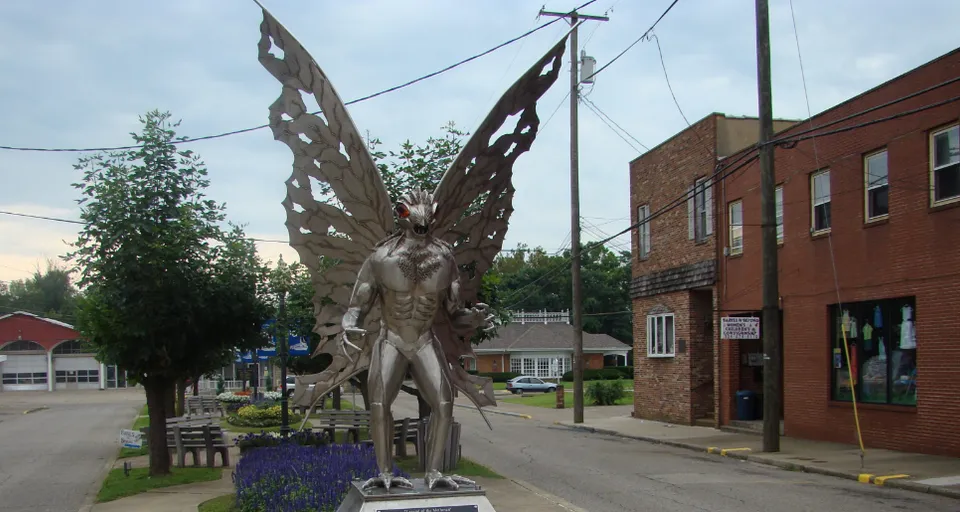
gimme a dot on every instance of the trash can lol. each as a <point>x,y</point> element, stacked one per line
<point>746,405</point>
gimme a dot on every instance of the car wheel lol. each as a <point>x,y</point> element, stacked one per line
<point>520,392</point>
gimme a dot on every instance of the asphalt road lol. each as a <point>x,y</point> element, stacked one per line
<point>608,474</point>
<point>51,459</point>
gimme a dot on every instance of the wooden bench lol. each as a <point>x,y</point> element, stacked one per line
<point>404,431</point>
<point>344,421</point>
<point>204,405</point>
<point>188,434</point>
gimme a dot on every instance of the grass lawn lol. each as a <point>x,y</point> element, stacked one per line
<point>118,486</point>
<point>502,386</point>
<point>140,422</point>
<point>549,400</point>
<point>225,503</point>
<point>467,468</point>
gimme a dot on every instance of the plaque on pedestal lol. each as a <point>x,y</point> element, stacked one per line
<point>419,499</point>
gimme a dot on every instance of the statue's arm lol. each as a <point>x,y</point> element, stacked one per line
<point>363,298</point>
<point>460,317</point>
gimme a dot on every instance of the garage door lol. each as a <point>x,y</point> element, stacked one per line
<point>24,372</point>
<point>76,372</point>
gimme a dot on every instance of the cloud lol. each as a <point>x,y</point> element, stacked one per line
<point>81,77</point>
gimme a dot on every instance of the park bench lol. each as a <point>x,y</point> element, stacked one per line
<point>204,405</point>
<point>191,434</point>
<point>404,431</point>
<point>330,421</point>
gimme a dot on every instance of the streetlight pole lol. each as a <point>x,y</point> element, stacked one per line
<point>284,352</point>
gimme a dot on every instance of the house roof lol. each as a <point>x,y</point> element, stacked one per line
<point>517,337</point>
<point>48,320</point>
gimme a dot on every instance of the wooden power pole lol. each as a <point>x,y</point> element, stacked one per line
<point>577,307</point>
<point>768,240</point>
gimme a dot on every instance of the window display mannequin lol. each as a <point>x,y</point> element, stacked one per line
<point>908,333</point>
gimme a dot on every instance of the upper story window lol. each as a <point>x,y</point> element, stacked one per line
<point>877,186</point>
<point>23,346</point>
<point>72,347</point>
<point>820,205</point>
<point>736,227</point>
<point>700,210</point>
<point>660,331</point>
<point>643,231</point>
<point>778,199</point>
<point>945,164</point>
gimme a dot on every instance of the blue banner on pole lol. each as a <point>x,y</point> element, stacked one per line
<point>299,346</point>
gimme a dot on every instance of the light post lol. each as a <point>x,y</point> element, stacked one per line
<point>284,351</point>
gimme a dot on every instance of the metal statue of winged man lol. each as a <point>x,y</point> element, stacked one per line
<point>401,294</point>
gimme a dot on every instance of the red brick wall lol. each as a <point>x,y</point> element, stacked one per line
<point>593,361</point>
<point>662,384</point>
<point>33,329</point>
<point>491,363</point>
<point>915,252</point>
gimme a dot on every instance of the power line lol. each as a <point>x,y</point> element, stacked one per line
<point>641,38</point>
<point>599,112</point>
<point>358,100</point>
<point>667,78</point>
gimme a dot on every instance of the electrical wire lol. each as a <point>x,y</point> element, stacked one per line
<point>604,121</point>
<point>358,100</point>
<point>667,78</point>
<point>593,106</point>
<point>641,38</point>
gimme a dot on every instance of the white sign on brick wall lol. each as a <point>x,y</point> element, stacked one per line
<point>740,328</point>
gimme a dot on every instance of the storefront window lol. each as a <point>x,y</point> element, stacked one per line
<point>882,340</point>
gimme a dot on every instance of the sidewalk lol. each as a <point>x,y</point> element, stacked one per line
<point>916,472</point>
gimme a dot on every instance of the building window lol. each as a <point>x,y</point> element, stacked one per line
<point>736,227</point>
<point>22,346</point>
<point>820,189</point>
<point>643,231</point>
<point>882,338</point>
<point>700,210</point>
<point>945,173</point>
<point>24,378</point>
<point>778,195</point>
<point>543,367</point>
<point>877,185</point>
<point>515,365</point>
<point>660,332</point>
<point>72,347</point>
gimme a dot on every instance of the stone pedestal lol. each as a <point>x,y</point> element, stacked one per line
<point>420,499</point>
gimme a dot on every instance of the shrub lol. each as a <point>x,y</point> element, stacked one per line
<point>261,415</point>
<point>605,392</point>
<point>293,478</point>
<point>500,376</point>
<point>247,442</point>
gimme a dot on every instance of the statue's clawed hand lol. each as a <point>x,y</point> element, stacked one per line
<point>348,339</point>
<point>482,316</point>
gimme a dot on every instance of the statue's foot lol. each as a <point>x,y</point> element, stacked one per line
<point>434,478</point>
<point>386,481</point>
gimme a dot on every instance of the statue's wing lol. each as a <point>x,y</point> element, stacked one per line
<point>337,206</point>
<point>475,199</point>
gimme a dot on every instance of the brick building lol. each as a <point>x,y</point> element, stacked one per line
<point>675,268</point>
<point>880,203</point>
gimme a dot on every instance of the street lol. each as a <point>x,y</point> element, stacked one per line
<point>602,473</point>
<point>50,459</point>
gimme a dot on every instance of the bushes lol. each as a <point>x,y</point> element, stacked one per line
<point>500,376</point>
<point>260,415</point>
<point>293,478</point>
<point>605,392</point>
<point>248,442</point>
<point>604,374</point>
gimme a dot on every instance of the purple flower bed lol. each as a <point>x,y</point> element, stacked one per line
<point>294,478</point>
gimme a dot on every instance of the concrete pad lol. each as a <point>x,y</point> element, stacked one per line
<point>508,495</point>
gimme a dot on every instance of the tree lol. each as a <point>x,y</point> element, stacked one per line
<point>50,294</point>
<point>166,290</point>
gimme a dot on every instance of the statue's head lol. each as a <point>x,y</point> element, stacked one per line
<point>415,211</point>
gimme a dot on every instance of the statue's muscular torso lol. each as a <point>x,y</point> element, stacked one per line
<point>413,280</point>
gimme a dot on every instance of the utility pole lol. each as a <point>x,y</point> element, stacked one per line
<point>768,240</point>
<point>283,349</point>
<point>573,17</point>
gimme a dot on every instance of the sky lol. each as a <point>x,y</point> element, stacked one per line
<point>78,75</point>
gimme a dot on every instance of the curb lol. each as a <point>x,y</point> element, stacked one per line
<point>558,501</point>
<point>789,466</point>
<point>89,500</point>
<point>505,413</point>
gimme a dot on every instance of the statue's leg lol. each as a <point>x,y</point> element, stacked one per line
<point>387,368</point>
<point>435,388</point>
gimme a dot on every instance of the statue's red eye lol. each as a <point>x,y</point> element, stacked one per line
<point>402,211</point>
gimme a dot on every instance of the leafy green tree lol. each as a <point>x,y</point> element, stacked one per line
<point>167,291</point>
<point>50,294</point>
